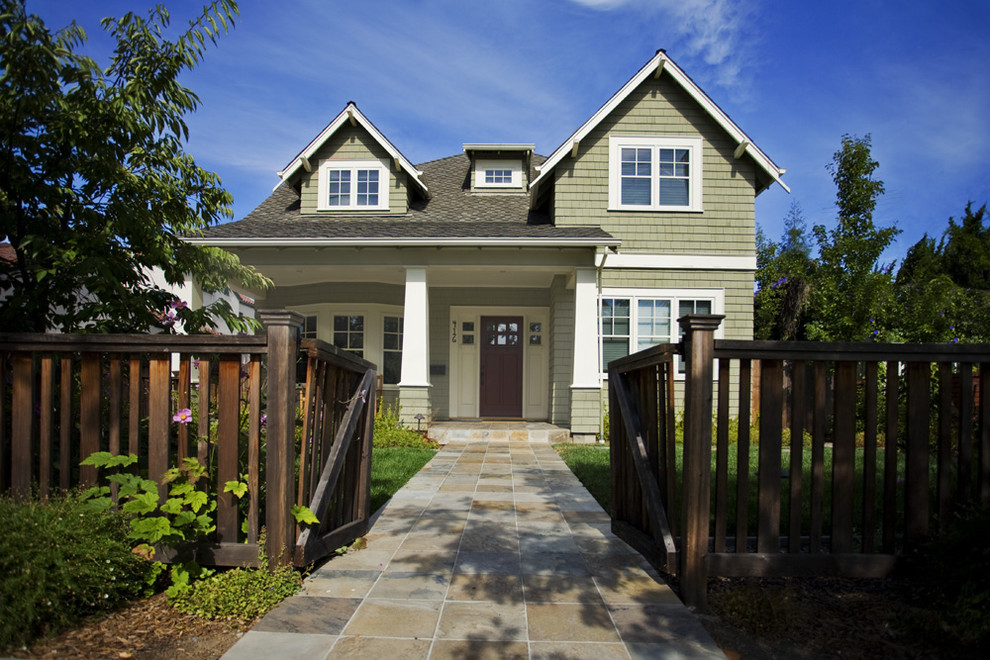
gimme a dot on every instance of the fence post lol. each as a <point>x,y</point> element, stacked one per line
<point>282,327</point>
<point>699,348</point>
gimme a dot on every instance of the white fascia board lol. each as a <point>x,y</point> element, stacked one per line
<point>481,146</point>
<point>671,68</point>
<point>347,114</point>
<point>678,262</point>
<point>405,242</point>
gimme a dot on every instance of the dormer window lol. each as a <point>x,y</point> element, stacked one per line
<point>498,173</point>
<point>353,185</point>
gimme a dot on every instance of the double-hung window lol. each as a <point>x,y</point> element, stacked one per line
<point>392,350</point>
<point>348,333</point>
<point>633,320</point>
<point>353,185</point>
<point>654,174</point>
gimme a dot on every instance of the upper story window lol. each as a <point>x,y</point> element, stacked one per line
<point>353,185</point>
<point>654,174</point>
<point>497,174</point>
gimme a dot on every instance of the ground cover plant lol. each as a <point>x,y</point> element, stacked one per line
<point>60,563</point>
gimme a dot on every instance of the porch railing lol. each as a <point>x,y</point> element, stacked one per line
<point>229,401</point>
<point>882,443</point>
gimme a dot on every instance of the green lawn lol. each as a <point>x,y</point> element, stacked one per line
<point>392,467</point>
<point>590,464</point>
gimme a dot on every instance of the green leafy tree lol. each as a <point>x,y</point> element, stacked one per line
<point>853,292</point>
<point>783,277</point>
<point>942,288</point>
<point>95,186</point>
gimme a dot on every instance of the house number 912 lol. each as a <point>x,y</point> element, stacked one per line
<point>453,332</point>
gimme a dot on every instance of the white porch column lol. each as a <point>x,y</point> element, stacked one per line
<point>416,331</point>
<point>586,367</point>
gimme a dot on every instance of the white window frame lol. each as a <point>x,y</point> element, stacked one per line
<point>618,142</point>
<point>353,166</point>
<point>514,167</point>
<point>674,296</point>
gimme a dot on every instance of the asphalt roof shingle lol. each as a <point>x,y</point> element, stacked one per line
<point>453,211</point>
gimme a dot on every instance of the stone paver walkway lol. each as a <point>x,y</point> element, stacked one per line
<point>494,550</point>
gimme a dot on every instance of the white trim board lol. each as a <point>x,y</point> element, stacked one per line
<point>677,261</point>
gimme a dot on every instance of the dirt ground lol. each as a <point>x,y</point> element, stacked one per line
<point>749,618</point>
<point>147,629</point>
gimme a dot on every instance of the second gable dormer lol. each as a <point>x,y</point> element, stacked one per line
<point>352,169</point>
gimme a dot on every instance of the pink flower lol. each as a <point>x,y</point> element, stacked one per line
<point>183,416</point>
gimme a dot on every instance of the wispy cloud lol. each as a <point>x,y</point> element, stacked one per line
<point>721,34</point>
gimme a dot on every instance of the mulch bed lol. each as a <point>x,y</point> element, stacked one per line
<point>149,628</point>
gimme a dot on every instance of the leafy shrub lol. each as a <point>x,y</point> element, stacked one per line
<point>59,563</point>
<point>389,431</point>
<point>242,594</point>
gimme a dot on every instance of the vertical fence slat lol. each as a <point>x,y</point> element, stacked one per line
<point>844,457</point>
<point>21,420</point>
<point>964,480</point>
<point>722,457</point>
<point>203,412</point>
<point>943,487</point>
<point>916,485</point>
<point>134,405</point>
<point>870,458</point>
<point>4,443</point>
<point>113,424</point>
<point>890,459</point>
<point>65,423</point>
<point>228,432</point>
<point>182,403</point>
<point>670,437</point>
<point>309,419</point>
<point>818,459</point>
<point>254,447</point>
<point>742,454</point>
<point>797,454</point>
<point>90,377</point>
<point>771,419</point>
<point>159,388</point>
<point>984,435</point>
<point>45,426</point>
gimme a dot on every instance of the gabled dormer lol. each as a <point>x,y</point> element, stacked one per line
<point>499,168</point>
<point>350,168</point>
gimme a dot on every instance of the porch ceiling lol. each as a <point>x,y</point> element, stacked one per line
<point>439,276</point>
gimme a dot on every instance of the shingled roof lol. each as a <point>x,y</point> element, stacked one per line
<point>452,212</point>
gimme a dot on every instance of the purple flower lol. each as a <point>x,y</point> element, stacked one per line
<point>364,396</point>
<point>167,319</point>
<point>263,422</point>
<point>183,416</point>
<point>178,304</point>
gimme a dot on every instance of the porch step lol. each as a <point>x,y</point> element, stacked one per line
<point>475,430</point>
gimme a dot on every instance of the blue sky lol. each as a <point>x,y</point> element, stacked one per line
<point>433,75</point>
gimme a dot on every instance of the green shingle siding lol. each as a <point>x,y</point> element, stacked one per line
<point>353,143</point>
<point>662,108</point>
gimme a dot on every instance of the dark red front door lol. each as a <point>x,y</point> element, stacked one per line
<point>501,366</point>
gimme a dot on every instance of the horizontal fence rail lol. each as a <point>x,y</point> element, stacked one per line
<point>227,401</point>
<point>799,458</point>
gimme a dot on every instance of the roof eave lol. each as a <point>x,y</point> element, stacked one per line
<point>408,242</point>
<point>661,64</point>
<point>351,114</point>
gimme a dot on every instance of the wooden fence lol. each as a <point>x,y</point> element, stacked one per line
<point>229,401</point>
<point>844,490</point>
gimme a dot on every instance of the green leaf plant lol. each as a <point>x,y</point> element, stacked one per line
<point>185,516</point>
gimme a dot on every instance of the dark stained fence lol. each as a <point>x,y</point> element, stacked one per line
<point>882,441</point>
<point>64,397</point>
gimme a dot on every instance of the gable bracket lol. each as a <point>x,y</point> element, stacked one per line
<point>574,148</point>
<point>350,117</point>
<point>741,149</point>
<point>306,164</point>
<point>656,74</point>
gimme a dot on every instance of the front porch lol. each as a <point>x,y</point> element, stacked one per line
<point>477,430</point>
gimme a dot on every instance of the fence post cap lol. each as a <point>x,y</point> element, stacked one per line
<point>701,321</point>
<point>271,317</point>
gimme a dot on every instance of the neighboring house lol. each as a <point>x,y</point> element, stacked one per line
<point>498,283</point>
